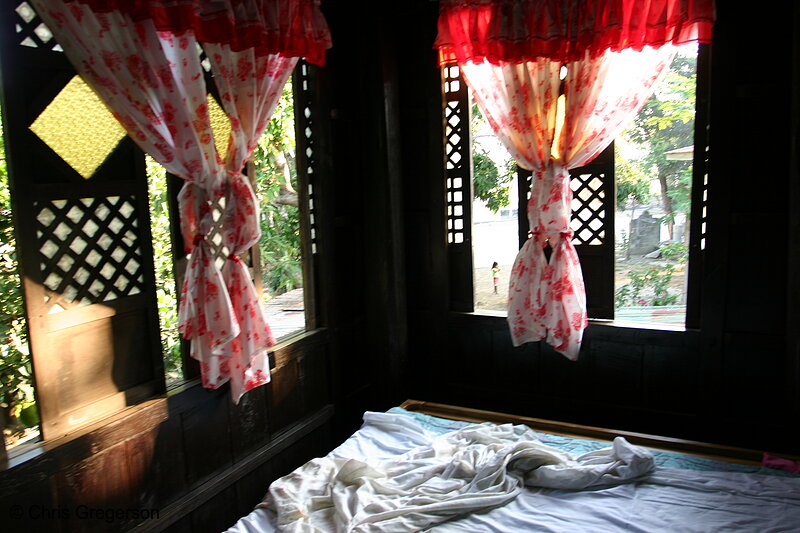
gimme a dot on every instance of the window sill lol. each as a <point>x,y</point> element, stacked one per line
<point>630,324</point>
<point>604,323</point>
<point>155,410</point>
<point>177,398</point>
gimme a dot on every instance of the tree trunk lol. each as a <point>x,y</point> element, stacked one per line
<point>287,195</point>
<point>667,203</point>
<point>686,235</point>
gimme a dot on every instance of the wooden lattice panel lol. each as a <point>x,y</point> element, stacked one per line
<point>83,244</point>
<point>31,31</point>
<point>704,203</point>
<point>89,251</point>
<point>588,208</point>
<point>215,236</point>
<point>457,153</point>
<point>306,126</point>
<point>204,61</point>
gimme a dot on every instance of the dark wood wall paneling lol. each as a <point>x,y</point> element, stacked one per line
<point>363,285</point>
<point>424,200</point>
<point>792,376</point>
<point>195,457</point>
<point>725,381</point>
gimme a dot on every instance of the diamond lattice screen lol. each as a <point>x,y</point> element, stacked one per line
<point>456,119</point>
<point>79,128</point>
<point>215,236</point>
<point>88,247</point>
<point>306,121</point>
<point>588,213</point>
<point>704,204</point>
<point>31,31</point>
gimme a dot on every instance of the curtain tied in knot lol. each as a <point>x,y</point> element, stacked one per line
<point>536,233</point>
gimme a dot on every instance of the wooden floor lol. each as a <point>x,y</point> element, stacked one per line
<point>285,314</point>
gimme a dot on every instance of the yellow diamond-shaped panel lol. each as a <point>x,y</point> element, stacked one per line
<point>220,126</point>
<point>79,128</point>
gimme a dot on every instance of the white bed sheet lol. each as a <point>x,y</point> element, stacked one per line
<point>668,500</point>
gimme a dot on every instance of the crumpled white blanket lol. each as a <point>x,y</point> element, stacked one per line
<point>473,469</point>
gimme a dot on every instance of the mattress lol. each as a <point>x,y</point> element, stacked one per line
<point>677,492</point>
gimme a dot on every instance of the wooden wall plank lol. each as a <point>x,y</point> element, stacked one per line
<point>252,488</point>
<point>470,360</point>
<point>184,525</point>
<point>249,427</point>
<point>671,378</point>
<point>156,465</point>
<point>616,371</point>
<point>315,374</point>
<point>520,367</point>
<point>206,440</point>
<point>93,489</point>
<point>217,514</point>
<point>31,507</point>
<point>752,372</point>
<point>285,392</point>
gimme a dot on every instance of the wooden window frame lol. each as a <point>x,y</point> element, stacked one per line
<point>597,261</point>
<point>305,96</point>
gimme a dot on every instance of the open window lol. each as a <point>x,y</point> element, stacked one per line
<point>638,214</point>
<point>93,226</point>
<point>281,172</point>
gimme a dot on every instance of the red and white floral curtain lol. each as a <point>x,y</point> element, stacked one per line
<point>511,54</point>
<point>142,60</point>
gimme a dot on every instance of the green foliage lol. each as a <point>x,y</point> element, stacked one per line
<point>633,182</point>
<point>280,244</point>
<point>652,283</point>
<point>675,251</point>
<point>681,190</point>
<point>665,123</point>
<point>490,183</point>
<point>16,383</point>
<point>280,248</point>
<point>166,293</point>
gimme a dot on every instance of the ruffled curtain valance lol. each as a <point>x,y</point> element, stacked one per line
<point>291,28</point>
<point>502,31</point>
